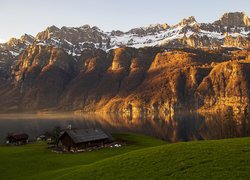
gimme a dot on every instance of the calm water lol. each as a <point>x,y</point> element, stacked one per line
<point>181,127</point>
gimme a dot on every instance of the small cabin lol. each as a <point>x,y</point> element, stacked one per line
<point>17,139</point>
<point>75,139</point>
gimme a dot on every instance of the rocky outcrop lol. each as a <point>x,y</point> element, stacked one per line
<point>237,41</point>
<point>188,21</point>
<point>238,19</point>
<point>226,85</point>
<point>74,40</point>
<point>152,29</point>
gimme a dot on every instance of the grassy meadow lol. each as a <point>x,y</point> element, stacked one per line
<point>142,158</point>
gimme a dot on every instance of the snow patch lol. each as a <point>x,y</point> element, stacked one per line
<point>14,53</point>
<point>68,42</point>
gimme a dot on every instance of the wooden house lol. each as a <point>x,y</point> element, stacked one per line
<point>74,139</point>
<point>17,139</point>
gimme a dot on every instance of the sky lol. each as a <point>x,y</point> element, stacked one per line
<point>32,16</point>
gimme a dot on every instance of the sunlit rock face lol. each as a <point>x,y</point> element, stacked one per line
<point>156,70</point>
<point>132,82</point>
<point>78,94</point>
<point>234,19</point>
<point>237,41</point>
<point>176,81</point>
<point>41,74</point>
<point>226,85</point>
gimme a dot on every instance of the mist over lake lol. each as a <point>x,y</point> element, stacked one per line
<point>181,127</point>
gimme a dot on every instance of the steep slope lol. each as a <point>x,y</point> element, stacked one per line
<point>10,51</point>
<point>169,84</point>
<point>227,84</point>
<point>158,69</point>
<point>133,82</point>
<point>41,75</point>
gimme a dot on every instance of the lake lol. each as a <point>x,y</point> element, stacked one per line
<point>181,127</point>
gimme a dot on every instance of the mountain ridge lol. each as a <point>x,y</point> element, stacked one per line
<point>159,69</point>
<point>97,37</point>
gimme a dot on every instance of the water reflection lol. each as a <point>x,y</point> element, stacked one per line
<point>181,127</point>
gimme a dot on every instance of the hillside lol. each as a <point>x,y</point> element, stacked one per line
<point>192,160</point>
<point>142,158</point>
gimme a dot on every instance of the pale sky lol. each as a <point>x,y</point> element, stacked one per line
<point>32,16</point>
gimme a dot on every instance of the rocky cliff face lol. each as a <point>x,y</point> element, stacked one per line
<point>73,40</point>
<point>129,81</point>
<point>41,75</point>
<point>233,20</point>
<point>226,85</point>
<point>159,69</point>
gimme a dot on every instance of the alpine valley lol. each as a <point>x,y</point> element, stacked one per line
<point>160,69</point>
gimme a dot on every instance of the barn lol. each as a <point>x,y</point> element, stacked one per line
<point>17,139</point>
<point>74,139</point>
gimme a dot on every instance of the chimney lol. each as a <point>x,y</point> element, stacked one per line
<point>69,127</point>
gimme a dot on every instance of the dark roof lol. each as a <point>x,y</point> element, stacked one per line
<point>19,136</point>
<point>86,135</point>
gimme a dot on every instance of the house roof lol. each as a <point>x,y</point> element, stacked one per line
<point>19,136</point>
<point>86,135</point>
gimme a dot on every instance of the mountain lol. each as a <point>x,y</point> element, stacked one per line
<point>234,20</point>
<point>187,33</point>
<point>159,69</point>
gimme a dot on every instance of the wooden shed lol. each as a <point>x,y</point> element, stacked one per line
<point>83,138</point>
<point>17,139</point>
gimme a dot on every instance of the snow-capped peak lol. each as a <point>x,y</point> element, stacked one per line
<point>186,33</point>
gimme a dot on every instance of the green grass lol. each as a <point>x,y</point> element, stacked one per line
<point>144,158</point>
<point>24,162</point>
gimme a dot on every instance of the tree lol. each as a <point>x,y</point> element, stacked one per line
<point>56,132</point>
<point>231,123</point>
